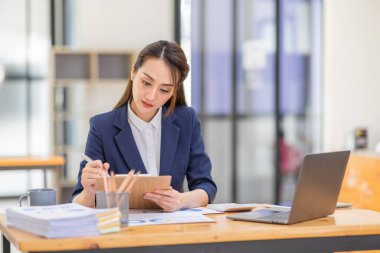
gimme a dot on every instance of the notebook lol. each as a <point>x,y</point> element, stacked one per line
<point>316,194</point>
<point>144,183</point>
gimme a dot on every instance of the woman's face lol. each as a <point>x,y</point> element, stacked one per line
<point>152,87</point>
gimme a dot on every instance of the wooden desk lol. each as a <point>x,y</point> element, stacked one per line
<point>349,229</point>
<point>53,163</point>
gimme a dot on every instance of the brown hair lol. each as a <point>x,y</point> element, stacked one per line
<point>172,54</point>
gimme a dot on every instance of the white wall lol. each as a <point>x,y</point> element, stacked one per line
<point>352,70</point>
<point>122,24</point>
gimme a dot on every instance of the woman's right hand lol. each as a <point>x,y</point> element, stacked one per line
<point>90,173</point>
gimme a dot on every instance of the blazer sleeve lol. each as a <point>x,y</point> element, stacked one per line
<point>199,169</point>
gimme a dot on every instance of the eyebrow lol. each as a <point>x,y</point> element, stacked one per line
<point>151,78</point>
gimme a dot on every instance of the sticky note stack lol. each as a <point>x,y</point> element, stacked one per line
<point>109,221</point>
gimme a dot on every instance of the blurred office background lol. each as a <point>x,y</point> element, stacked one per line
<point>271,80</point>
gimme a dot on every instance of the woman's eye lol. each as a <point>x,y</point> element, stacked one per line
<point>146,83</point>
<point>164,91</point>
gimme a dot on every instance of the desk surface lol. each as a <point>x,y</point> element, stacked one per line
<point>30,161</point>
<point>345,222</point>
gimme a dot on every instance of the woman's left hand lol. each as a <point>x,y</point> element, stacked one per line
<point>169,200</point>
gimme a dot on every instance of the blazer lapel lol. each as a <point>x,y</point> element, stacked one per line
<point>126,143</point>
<point>169,142</point>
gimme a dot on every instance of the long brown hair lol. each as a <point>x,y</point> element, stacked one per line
<point>172,54</point>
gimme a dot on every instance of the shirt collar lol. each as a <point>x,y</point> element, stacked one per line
<point>141,124</point>
<point>156,121</point>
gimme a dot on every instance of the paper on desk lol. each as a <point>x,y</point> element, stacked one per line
<point>65,220</point>
<point>203,210</point>
<point>158,218</point>
<point>199,210</point>
<point>54,212</point>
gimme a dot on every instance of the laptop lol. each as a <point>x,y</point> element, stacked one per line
<point>316,194</point>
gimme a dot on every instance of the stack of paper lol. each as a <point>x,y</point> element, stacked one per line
<point>109,221</point>
<point>66,220</point>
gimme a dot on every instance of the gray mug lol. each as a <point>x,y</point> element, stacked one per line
<point>39,197</point>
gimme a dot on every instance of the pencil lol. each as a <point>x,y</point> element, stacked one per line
<point>129,188</point>
<point>132,182</point>
<point>113,182</point>
<point>125,182</point>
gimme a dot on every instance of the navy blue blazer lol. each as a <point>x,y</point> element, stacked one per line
<point>183,153</point>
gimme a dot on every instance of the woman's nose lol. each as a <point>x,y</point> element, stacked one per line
<point>152,94</point>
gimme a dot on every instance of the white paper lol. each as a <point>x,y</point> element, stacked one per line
<point>54,212</point>
<point>158,218</point>
<point>66,220</point>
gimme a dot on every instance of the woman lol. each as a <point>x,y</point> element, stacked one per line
<point>151,129</point>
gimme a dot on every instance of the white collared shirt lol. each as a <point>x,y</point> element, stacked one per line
<point>147,136</point>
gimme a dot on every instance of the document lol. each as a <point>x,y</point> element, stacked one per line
<point>56,221</point>
<point>143,218</point>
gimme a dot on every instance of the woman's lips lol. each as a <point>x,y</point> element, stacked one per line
<point>147,105</point>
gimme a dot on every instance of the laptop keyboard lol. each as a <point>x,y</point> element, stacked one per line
<point>281,218</point>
